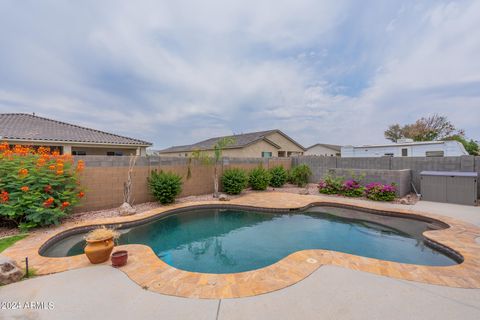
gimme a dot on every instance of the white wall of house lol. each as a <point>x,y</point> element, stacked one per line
<point>319,150</point>
<point>414,149</point>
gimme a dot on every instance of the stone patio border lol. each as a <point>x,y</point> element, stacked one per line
<point>148,271</point>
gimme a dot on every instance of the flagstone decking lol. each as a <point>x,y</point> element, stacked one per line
<point>148,271</point>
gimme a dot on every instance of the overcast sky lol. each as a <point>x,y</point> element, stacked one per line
<point>175,72</point>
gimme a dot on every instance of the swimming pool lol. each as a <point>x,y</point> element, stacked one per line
<point>215,240</point>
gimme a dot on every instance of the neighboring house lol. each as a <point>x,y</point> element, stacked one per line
<point>28,129</point>
<point>322,149</point>
<point>407,148</point>
<point>265,144</point>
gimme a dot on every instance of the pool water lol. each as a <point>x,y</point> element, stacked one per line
<point>233,240</point>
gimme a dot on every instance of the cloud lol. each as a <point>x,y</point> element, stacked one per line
<point>178,72</point>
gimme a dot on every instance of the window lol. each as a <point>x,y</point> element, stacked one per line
<point>434,154</point>
<point>114,153</point>
<point>281,154</point>
<point>404,152</point>
<point>79,153</point>
<point>266,154</point>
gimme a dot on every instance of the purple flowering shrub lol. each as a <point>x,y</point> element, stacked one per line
<point>352,188</point>
<point>380,192</point>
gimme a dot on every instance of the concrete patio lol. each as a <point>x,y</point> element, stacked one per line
<point>331,292</point>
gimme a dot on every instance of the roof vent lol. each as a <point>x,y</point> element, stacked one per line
<point>405,140</point>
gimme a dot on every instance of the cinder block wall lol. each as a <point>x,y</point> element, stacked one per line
<point>320,165</point>
<point>401,178</point>
<point>104,176</point>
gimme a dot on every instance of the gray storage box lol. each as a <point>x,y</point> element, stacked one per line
<point>449,186</point>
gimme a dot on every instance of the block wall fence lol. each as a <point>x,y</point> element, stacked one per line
<point>321,165</point>
<point>103,177</point>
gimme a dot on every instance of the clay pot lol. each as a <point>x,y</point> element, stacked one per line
<point>119,258</point>
<point>99,251</point>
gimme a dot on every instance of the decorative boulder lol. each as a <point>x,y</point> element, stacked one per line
<point>304,192</point>
<point>126,209</point>
<point>223,197</point>
<point>9,271</point>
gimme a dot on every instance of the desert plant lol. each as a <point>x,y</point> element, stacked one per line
<point>330,185</point>
<point>37,187</point>
<point>380,192</point>
<point>352,188</point>
<point>279,176</point>
<point>234,180</point>
<point>300,174</point>
<point>259,178</point>
<point>165,186</point>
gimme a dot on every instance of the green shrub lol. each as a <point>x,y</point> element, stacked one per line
<point>165,186</point>
<point>278,176</point>
<point>300,174</point>
<point>380,192</point>
<point>352,188</point>
<point>331,185</point>
<point>37,187</point>
<point>234,181</point>
<point>259,179</point>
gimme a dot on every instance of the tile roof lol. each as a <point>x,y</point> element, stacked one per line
<point>330,146</point>
<point>241,140</point>
<point>24,126</point>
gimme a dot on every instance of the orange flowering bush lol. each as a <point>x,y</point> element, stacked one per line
<point>37,187</point>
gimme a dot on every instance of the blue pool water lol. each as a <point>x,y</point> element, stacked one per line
<point>233,240</point>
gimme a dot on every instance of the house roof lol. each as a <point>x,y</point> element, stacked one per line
<point>240,141</point>
<point>329,146</point>
<point>22,126</point>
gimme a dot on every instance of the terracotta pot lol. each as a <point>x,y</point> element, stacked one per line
<point>98,251</point>
<point>119,258</point>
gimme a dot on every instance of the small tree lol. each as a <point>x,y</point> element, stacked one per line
<point>435,127</point>
<point>215,159</point>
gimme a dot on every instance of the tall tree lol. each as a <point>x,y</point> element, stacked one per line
<point>431,128</point>
<point>394,132</point>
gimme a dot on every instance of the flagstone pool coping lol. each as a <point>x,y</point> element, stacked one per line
<point>150,272</point>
